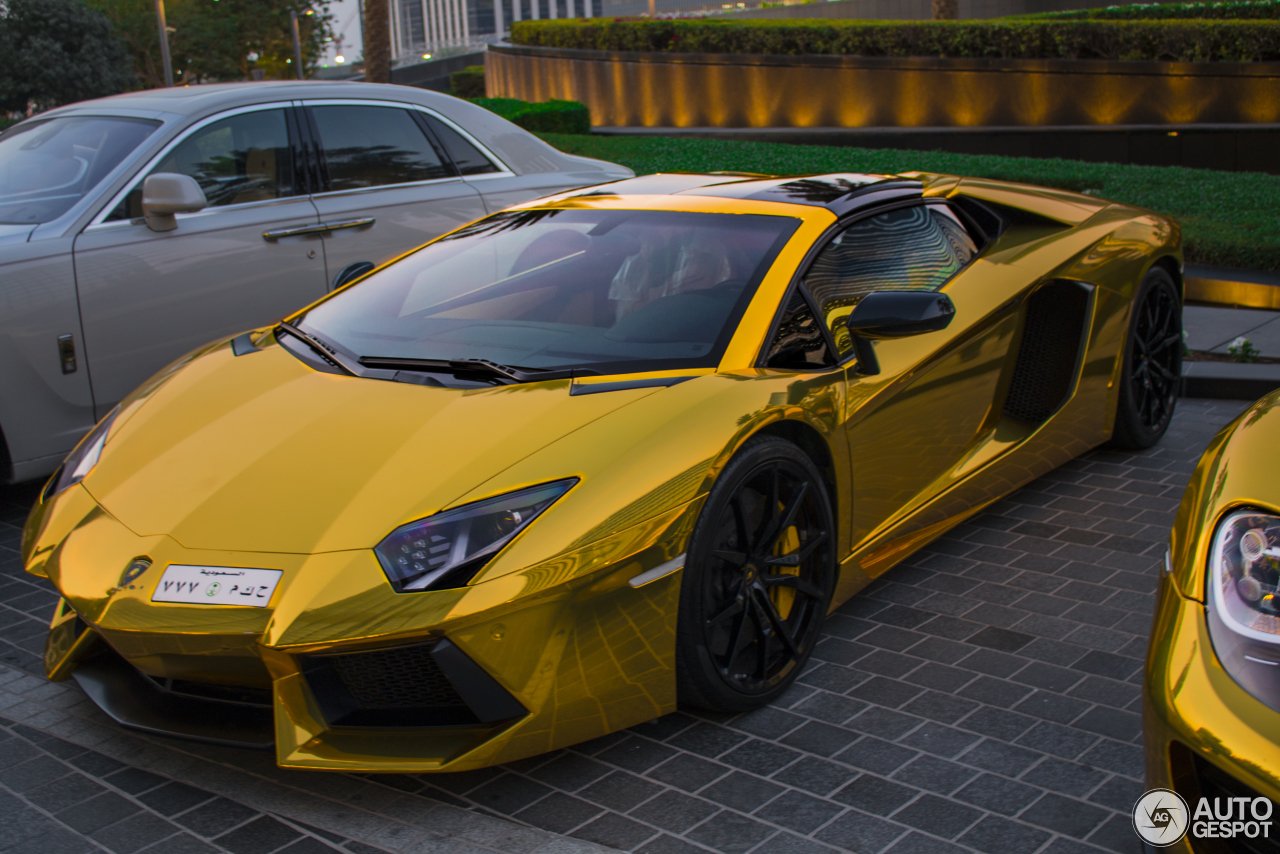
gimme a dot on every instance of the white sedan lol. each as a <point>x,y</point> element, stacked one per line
<point>137,227</point>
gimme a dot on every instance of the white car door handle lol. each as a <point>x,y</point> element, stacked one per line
<point>319,228</point>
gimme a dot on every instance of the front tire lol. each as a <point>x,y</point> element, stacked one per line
<point>1152,372</point>
<point>757,580</point>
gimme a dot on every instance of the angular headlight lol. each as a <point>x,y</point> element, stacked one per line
<point>1244,601</point>
<point>82,458</point>
<point>448,549</point>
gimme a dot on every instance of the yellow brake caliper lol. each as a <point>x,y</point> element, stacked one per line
<point>784,597</point>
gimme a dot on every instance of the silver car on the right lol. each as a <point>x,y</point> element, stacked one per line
<point>135,228</point>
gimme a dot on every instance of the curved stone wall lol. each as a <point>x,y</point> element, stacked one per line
<point>741,91</point>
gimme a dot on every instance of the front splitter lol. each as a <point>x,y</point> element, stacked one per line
<point>134,701</point>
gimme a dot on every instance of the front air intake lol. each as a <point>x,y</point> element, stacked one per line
<point>1219,787</point>
<point>425,684</point>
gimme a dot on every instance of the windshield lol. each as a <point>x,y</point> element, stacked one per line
<point>47,166</point>
<point>605,290</point>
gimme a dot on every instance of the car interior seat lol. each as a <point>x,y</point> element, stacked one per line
<point>259,177</point>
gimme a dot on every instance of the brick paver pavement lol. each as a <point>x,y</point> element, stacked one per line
<point>985,695</point>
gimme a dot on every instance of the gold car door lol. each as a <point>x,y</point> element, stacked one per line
<point>914,426</point>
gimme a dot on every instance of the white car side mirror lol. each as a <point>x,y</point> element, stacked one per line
<point>167,193</point>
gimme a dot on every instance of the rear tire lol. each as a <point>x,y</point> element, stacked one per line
<point>1152,373</point>
<point>757,580</point>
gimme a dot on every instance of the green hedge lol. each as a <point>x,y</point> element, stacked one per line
<point>544,116</point>
<point>1189,41</point>
<point>1228,218</point>
<point>468,83</point>
<point>1227,9</point>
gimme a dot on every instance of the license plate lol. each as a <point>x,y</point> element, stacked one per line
<point>216,585</point>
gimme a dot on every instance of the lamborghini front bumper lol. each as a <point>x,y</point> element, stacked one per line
<point>339,671</point>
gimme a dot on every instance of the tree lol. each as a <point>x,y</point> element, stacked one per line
<point>56,52</point>
<point>214,39</point>
<point>945,10</point>
<point>135,22</point>
<point>377,41</point>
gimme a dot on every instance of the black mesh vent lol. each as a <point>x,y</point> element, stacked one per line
<point>401,686</point>
<point>1049,355</point>
<point>403,678</point>
<point>1212,782</point>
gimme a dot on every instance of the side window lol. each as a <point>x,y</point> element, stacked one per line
<point>464,155</point>
<point>242,158</point>
<point>374,147</point>
<point>914,248</point>
<point>799,342</point>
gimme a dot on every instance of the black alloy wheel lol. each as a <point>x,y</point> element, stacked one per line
<point>757,580</point>
<point>1153,364</point>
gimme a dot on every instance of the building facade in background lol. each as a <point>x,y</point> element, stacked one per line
<point>421,27</point>
<point>430,26</point>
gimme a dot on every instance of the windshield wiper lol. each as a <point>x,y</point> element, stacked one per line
<point>483,367</point>
<point>328,353</point>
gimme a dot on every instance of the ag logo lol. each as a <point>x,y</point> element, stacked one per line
<point>1160,817</point>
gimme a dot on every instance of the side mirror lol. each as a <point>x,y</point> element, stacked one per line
<point>895,314</point>
<point>352,272</point>
<point>167,193</point>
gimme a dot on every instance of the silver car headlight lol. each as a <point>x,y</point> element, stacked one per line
<point>1244,601</point>
<point>448,549</point>
<point>82,458</point>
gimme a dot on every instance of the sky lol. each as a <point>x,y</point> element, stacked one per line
<point>346,29</point>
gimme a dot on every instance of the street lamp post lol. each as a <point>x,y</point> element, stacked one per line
<point>164,43</point>
<point>297,44</point>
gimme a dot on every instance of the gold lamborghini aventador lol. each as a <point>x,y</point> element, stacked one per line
<point>590,458</point>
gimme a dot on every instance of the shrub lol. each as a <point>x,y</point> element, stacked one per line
<point>468,83</point>
<point>544,116</point>
<point>1186,41</point>
<point>1243,350</point>
<point>1226,9</point>
<point>1228,218</point>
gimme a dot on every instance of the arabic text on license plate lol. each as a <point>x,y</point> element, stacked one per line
<point>216,585</point>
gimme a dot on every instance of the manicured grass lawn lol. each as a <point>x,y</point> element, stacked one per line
<point>1230,219</point>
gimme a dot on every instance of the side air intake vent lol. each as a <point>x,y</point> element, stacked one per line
<point>425,684</point>
<point>1053,336</point>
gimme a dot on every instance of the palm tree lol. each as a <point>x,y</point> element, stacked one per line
<point>377,41</point>
<point>945,10</point>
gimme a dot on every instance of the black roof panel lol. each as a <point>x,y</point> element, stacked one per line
<point>840,193</point>
<point>804,190</point>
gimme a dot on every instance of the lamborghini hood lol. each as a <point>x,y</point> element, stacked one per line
<point>261,453</point>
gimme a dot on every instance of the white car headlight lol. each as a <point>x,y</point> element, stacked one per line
<point>1244,601</point>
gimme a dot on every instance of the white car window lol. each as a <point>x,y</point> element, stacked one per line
<point>48,166</point>
<point>242,158</point>
<point>468,158</point>
<point>370,146</point>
